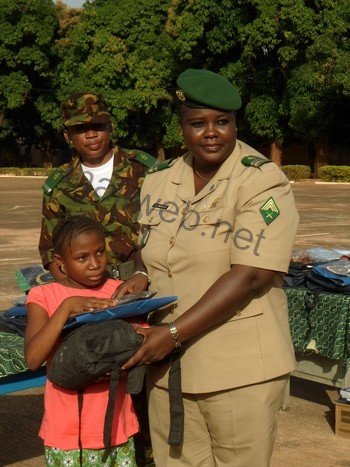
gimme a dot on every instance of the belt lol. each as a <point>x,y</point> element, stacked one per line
<point>122,271</point>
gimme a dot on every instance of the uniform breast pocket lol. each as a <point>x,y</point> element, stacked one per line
<point>147,222</point>
<point>211,225</point>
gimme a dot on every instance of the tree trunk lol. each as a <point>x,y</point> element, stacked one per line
<point>322,153</point>
<point>46,156</point>
<point>276,153</point>
<point>160,152</point>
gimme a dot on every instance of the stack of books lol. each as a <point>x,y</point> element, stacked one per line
<point>345,395</point>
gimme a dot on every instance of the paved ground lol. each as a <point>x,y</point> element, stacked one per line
<point>306,429</point>
<point>20,213</point>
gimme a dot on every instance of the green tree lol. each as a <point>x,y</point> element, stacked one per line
<point>278,52</point>
<point>289,58</point>
<point>274,42</point>
<point>319,88</point>
<point>122,50</point>
<point>27,66</point>
<point>238,39</point>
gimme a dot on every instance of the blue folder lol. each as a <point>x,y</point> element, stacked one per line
<point>128,310</point>
<point>16,311</point>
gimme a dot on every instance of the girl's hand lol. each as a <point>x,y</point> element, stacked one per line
<point>76,305</point>
<point>157,344</point>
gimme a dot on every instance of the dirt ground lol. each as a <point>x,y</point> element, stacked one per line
<point>306,435</point>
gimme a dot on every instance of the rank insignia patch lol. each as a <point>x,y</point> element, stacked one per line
<point>269,211</point>
<point>254,161</point>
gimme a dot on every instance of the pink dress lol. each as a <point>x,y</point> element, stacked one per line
<point>60,424</point>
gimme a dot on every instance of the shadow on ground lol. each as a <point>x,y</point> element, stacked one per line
<point>20,417</point>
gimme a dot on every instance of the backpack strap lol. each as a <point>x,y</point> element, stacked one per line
<point>80,409</point>
<point>176,402</point>
<point>107,430</point>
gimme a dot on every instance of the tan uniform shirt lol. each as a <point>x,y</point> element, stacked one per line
<point>191,240</point>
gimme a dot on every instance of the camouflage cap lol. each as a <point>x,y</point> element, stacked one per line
<point>84,107</point>
<point>206,89</point>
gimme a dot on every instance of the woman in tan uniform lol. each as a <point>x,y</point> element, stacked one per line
<point>217,230</point>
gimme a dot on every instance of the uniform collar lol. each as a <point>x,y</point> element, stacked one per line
<point>184,176</point>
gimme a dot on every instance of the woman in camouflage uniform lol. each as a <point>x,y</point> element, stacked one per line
<point>100,181</point>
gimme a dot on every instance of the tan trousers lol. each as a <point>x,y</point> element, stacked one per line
<point>233,428</point>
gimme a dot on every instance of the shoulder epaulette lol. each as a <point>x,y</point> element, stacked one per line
<point>161,165</point>
<point>145,158</point>
<point>254,161</point>
<point>53,179</point>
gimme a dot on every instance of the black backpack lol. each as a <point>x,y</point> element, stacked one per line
<point>296,275</point>
<point>91,351</point>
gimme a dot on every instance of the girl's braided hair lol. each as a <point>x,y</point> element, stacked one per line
<point>70,227</point>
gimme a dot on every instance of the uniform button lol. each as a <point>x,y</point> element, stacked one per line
<point>172,241</point>
<point>205,219</point>
<point>150,219</point>
<point>169,274</point>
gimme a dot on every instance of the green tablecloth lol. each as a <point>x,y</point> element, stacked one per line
<point>320,323</point>
<point>11,354</point>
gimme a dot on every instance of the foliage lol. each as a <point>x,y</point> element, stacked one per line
<point>332,173</point>
<point>122,49</point>
<point>25,171</point>
<point>262,115</point>
<point>293,172</point>
<point>318,85</point>
<point>27,65</point>
<point>290,59</point>
<point>296,172</point>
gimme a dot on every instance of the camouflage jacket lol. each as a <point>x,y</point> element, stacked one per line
<point>68,192</point>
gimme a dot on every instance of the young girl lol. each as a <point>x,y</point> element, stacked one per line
<point>80,254</point>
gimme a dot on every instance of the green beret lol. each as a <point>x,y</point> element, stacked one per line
<point>203,89</point>
<point>84,107</point>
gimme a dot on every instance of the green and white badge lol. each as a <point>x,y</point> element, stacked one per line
<point>143,235</point>
<point>269,211</point>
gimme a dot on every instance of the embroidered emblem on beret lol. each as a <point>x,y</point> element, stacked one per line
<point>180,95</point>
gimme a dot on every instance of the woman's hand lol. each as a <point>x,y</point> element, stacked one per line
<point>157,344</point>
<point>136,284</point>
<point>229,294</point>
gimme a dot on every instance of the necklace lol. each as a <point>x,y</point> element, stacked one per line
<point>66,281</point>
<point>200,176</point>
